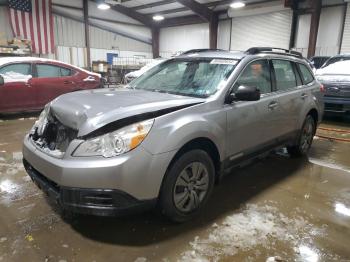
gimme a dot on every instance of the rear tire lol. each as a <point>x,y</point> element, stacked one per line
<point>305,138</point>
<point>187,186</point>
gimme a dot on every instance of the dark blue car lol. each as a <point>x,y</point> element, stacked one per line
<point>335,77</point>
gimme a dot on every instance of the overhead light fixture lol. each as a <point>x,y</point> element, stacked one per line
<point>237,5</point>
<point>103,6</point>
<point>158,17</point>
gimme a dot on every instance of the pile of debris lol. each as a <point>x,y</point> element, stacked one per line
<point>15,46</point>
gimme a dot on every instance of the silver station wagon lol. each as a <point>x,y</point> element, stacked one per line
<point>165,139</point>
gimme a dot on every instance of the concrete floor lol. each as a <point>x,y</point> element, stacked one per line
<point>278,208</point>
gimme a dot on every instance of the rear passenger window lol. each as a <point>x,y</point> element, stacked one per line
<point>16,69</point>
<point>306,74</point>
<point>256,74</point>
<point>285,77</point>
<point>52,71</point>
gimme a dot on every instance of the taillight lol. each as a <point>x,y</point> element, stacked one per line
<point>322,88</point>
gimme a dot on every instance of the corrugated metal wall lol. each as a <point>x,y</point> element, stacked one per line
<point>68,32</point>
<point>103,39</point>
<point>329,31</point>
<point>271,29</point>
<point>224,34</point>
<point>5,29</point>
<point>70,42</point>
<point>71,33</point>
<point>182,38</point>
<point>345,48</point>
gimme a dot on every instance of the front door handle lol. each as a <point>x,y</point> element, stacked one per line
<point>272,105</point>
<point>68,82</point>
<point>303,95</point>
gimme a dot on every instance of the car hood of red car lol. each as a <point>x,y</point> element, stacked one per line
<point>87,111</point>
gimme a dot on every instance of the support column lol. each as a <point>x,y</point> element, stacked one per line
<point>294,6</point>
<point>213,31</point>
<point>87,32</point>
<point>316,6</point>
<point>155,41</point>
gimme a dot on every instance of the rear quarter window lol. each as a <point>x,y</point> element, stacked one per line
<point>306,75</point>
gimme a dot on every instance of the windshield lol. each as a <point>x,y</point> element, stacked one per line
<point>189,77</point>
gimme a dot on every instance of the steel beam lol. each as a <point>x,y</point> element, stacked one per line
<point>87,32</point>
<point>316,6</point>
<point>201,10</point>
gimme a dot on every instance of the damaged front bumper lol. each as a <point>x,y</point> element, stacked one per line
<point>114,184</point>
<point>100,202</point>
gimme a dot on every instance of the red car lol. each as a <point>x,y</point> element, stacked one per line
<point>28,83</point>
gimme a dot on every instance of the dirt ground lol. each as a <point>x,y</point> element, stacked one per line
<point>276,208</point>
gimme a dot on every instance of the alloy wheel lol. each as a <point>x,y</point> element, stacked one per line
<point>191,187</point>
<point>307,135</point>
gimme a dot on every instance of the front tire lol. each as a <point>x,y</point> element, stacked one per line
<point>187,186</point>
<point>305,138</point>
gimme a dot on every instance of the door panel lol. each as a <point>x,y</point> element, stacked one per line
<point>17,93</point>
<point>288,86</point>
<point>52,81</point>
<point>251,125</point>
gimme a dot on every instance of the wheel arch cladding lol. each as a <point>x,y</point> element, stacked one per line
<point>314,114</point>
<point>206,145</point>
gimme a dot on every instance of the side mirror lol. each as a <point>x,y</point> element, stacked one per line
<point>2,80</point>
<point>246,93</point>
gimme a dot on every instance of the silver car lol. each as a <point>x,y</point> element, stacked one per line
<point>165,139</point>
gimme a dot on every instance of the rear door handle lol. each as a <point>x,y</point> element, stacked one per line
<point>303,96</point>
<point>272,105</point>
<point>68,82</point>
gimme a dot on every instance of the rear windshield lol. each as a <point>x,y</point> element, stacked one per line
<point>189,77</point>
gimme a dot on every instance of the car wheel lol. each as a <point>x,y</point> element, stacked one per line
<point>187,186</point>
<point>305,138</point>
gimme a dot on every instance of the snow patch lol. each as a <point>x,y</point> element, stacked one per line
<point>254,226</point>
<point>140,259</point>
<point>17,156</point>
<point>3,239</point>
<point>10,77</point>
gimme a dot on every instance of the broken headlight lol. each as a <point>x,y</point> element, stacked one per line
<point>117,142</point>
<point>41,123</point>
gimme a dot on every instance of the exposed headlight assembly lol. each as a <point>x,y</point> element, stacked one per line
<point>117,142</point>
<point>41,123</point>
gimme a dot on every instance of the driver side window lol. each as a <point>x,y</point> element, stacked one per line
<point>256,74</point>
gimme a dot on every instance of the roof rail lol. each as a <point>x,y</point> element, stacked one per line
<point>273,50</point>
<point>199,50</point>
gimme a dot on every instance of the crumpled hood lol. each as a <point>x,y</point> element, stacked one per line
<point>87,111</point>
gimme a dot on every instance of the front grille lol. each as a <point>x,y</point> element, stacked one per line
<point>337,89</point>
<point>55,137</point>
